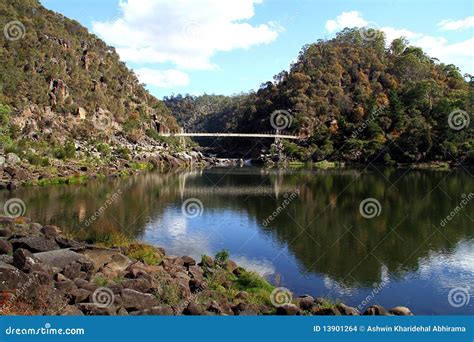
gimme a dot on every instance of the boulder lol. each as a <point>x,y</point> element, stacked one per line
<point>347,310</point>
<point>154,311</point>
<point>92,309</point>
<point>108,261</point>
<point>188,261</point>
<point>134,300</point>
<point>79,296</point>
<point>376,310</point>
<point>34,244</point>
<point>26,261</point>
<point>65,286</point>
<point>84,284</point>
<point>12,159</point>
<point>140,284</point>
<point>50,231</point>
<point>61,258</point>
<point>230,266</point>
<point>288,310</point>
<point>193,309</point>
<point>318,311</point>
<point>400,311</point>
<point>5,247</point>
<point>305,302</point>
<point>11,278</point>
<point>7,259</point>
<point>71,310</point>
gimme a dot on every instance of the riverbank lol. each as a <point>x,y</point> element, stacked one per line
<point>46,272</point>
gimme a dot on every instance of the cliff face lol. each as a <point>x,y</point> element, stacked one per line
<point>65,95</point>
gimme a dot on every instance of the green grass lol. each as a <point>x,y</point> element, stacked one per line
<point>169,293</point>
<point>144,253</point>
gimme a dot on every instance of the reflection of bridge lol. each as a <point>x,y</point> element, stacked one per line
<point>237,191</point>
<point>276,189</point>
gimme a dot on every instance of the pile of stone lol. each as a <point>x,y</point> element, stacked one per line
<point>42,272</point>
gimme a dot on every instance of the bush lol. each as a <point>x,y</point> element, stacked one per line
<point>67,151</point>
<point>222,257</point>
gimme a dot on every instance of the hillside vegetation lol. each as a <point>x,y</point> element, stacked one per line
<point>352,100</point>
<point>65,95</point>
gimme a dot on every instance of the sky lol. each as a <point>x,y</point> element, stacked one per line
<point>233,46</point>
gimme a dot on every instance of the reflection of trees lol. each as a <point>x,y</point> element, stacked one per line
<point>322,227</point>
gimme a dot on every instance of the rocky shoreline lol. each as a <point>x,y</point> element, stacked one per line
<point>46,272</point>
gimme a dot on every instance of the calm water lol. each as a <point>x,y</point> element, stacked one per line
<point>317,243</point>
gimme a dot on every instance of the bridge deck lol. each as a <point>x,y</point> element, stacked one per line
<point>235,135</point>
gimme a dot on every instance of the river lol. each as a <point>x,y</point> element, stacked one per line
<point>364,236</point>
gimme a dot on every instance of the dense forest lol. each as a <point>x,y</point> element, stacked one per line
<point>351,99</point>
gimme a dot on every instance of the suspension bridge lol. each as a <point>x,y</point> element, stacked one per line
<point>277,135</point>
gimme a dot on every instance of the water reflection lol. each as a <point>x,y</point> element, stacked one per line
<point>318,244</point>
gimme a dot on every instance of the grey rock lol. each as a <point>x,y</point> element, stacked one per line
<point>5,247</point>
<point>154,311</point>
<point>134,300</point>
<point>61,258</point>
<point>34,244</point>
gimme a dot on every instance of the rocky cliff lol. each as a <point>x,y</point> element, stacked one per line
<point>67,102</point>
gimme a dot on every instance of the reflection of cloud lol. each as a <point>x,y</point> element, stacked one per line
<point>343,289</point>
<point>263,267</point>
<point>171,232</point>
<point>334,286</point>
<point>450,270</point>
<point>173,226</point>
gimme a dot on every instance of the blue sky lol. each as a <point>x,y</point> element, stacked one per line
<point>230,46</point>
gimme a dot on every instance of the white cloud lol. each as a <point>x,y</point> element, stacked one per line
<point>452,25</point>
<point>186,33</point>
<point>346,19</point>
<point>460,54</point>
<point>162,78</point>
